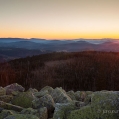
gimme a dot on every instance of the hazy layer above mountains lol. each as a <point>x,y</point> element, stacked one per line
<point>11,48</point>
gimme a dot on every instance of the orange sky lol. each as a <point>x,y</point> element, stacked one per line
<point>59,19</point>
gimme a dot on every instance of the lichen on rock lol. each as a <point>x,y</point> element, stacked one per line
<point>101,104</point>
<point>59,95</point>
<point>13,87</point>
<point>23,99</point>
<point>22,116</point>
<point>56,103</point>
<point>2,91</point>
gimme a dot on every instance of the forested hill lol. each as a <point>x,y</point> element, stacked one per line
<point>73,71</point>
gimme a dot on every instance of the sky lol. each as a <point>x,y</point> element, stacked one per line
<point>59,19</point>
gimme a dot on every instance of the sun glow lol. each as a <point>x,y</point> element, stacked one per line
<point>59,19</point>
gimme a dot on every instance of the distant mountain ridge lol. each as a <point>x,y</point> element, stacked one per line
<point>27,47</point>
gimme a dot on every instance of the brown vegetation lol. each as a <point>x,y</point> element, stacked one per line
<point>78,71</point>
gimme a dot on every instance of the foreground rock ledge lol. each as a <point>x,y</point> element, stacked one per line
<point>49,103</point>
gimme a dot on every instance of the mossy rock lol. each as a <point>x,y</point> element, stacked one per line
<point>60,96</point>
<point>87,100</point>
<point>9,106</point>
<point>41,113</point>
<point>15,93</point>
<point>23,99</point>
<point>83,113</point>
<point>1,109</point>
<point>6,113</point>
<point>90,112</point>
<point>82,95</point>
<point>33,90</point>
<point>47,88</point>
<point>41,93</point>
<point>2,91</point>
<point>104,105</point>
<point>29,111</point>
<point>6,98</point>
<point>22,116</point>
<point>62,108</point>
<point>78,95</point>
<point>71,94</point>
<point>13,87</point>
<point>45,101</point>
<point>100,96</point>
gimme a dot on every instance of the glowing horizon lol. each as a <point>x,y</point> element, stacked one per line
<point>89,19</point>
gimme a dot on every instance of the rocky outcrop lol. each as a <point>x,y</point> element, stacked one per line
<point>49,103</point>
<point>13,87</point>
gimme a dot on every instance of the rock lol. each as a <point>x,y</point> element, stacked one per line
<point>1,109</point>
<point>23,99</point>
<point>10,106</point>
<point>61,109</point>
<point>104,105</point>
<point>71,94</point>
<point>6,98</point>
<point>83,113</point>
<point>6,113</point>
<point>89,92</point>
<point>22,116</point>
<point>40,94</point>
<point>79,104</point>
<point>43,113</point>
<point>2,91</point>
<point>41,105</point>
<point>47,88</point>
<point>15,93</point>
<point>13,87</point>
<point>45,101</point>
<point>87,100</point>
<point>32,90</point>
<point>60,96</point>
<point>88,96</point>
<point>81,95</point>
<point>78,95</point>
<point>29,111</point>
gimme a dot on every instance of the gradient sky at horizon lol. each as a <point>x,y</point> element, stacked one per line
<point>59,19</point>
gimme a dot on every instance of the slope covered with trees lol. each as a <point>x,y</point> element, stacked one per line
<point>77,71</point>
